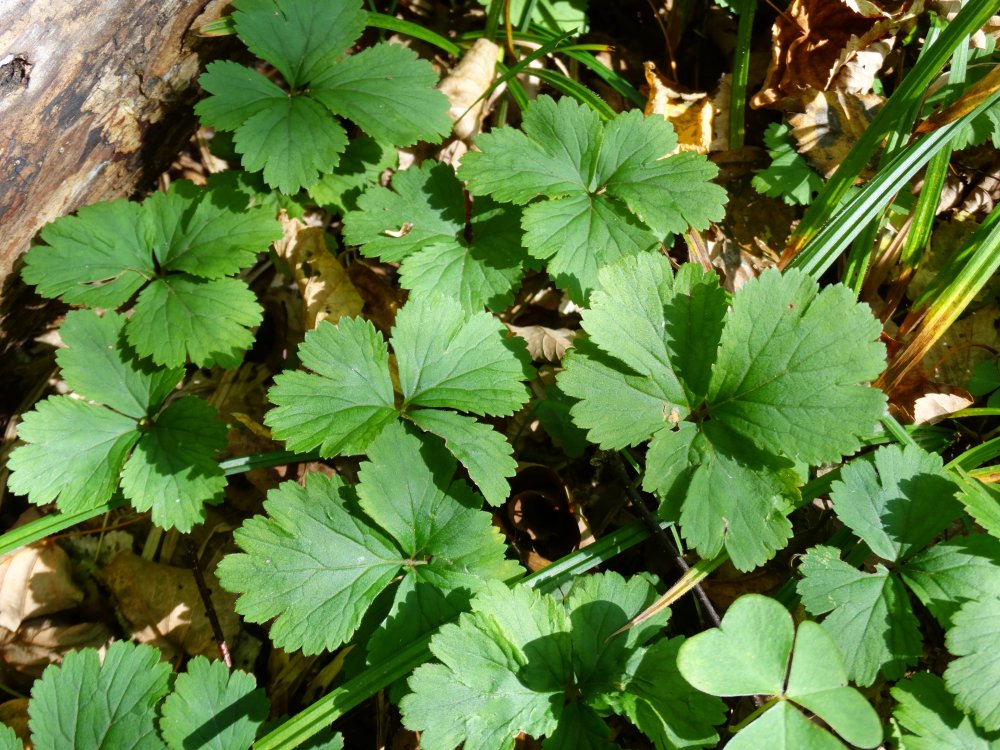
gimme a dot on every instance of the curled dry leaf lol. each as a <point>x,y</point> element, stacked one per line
<point>326,288</point>
<point>814,40</point>
<point>161,605</point>
<point>933,407</point>
<point>38,643</point>
<point>35,580</point>
<point>692,115</point>
<point>466,83</point>
<point>545,343</point>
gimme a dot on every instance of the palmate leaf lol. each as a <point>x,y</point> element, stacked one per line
<point>76,452</point>
<point>973,678</point>
<point>522,661</point>
<point>609,192</point>
<point>104,706</point>
<point>718,388</point>
<point>931,720</point>
<point>293,135</point>
<point>314,564</point>
<point>421,221</point>
<point>176,251</point>
<point>752,652</point>
<point>446,358</point>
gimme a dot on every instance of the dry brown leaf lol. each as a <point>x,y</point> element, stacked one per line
<point>38,643</point>
<point>35,580</point>
<point>14,714</point>
<point>829,125</point>
<point>468,81</point>
<point>545,343</point>
<point>690,114</point>
<point>933,407</point>
<point>813,40</point>
<point>324,284</point>
<point>162,606</point>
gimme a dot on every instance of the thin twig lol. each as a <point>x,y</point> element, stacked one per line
<point>206,597</point>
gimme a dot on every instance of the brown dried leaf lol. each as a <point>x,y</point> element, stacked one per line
<point>933,407</point>
<point>468,81</point>
<point>545,343</point>
<point>324,284</point>
<point>14,713</point>
<point>39,643</point>
<point>35,580</point>
<point>690,114</point>
<point>162,606</point>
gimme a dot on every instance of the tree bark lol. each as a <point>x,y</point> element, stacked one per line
<point>95,100</point>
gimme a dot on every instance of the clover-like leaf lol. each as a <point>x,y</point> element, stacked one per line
<point>607,190</point>
<point>422,222</point>
<point>756,650</point>
<point>973,677</point>
<point>105,706</point>
<point>213,708</point>
<point>931,720</point>
<point>177,251</point>
<point>446,358</point>
<point>315,564</point>
<point>293,135</point>
<point>522,661</point>
<point>76,452</point>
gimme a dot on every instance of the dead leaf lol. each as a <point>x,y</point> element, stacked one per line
<point>813,40</point>
<point>35,580</point>
<point>691,115</point>
<point>468,81</point>
<point>324,284</point>
<point>38,643</point>
<point>14,713</point>
<point>829,125</point>
<point>545,343</point>
<point>161,605</point>
<point>933,407</point>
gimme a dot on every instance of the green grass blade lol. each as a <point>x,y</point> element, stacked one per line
<point>390,23</point>
<point>578,91</point>
<point>741,72</point>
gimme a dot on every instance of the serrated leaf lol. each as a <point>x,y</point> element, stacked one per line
<point>899,511</point>
<point>284,33</point>
<point>610,191</point>
<point>310,564</point>
<point>450,358</point>
<point>347,399</point>
<point>99,257</point>
<point>8,739</point>
<point>96,365</point>
<point>933,721</point>
<point>173,470</point>
<point>73,454</point>
<point>421,221</point>
<point>239,94</point>
<point>749,654</point>
<point>407,488</point>
<point>360,166</point>
<point>212,708</point>
<point>870,618</point>
<point>86,704</point>
<point>973,678</point>
<point>954,571</point>
<point>981,501</point>
<point>792,366</point>
<point>179,317</point>
<point>788,177</point>
<point>483,451</point>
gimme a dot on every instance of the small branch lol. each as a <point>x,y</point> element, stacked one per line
<point>206,597</point>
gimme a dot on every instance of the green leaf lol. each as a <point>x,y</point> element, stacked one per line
<point>974,676</point>
<point>291,135</point>
<point>360,166</point>
<point>955,571</point>
<point>607,190</point>
<point>73,455</point>
<point>933,721</point>
<point>97,365</point>
<point>981,501</point>
<point>213,708</point>
<point>792,366</point>
<point>310,564</point>
<point>788,177</point>
<point>422,223</point>
<point>450,358</point>
<point>523,661</point>
<point>8,739</point>
<point>84,703</point>
<point>173,469</point>
<point>347,399</point>
<point>388,93</point>
<point>749,654</point>
<point>99,257</point>
<point>483,451</point>
<point>870,618</point>
<point>904,507</point>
